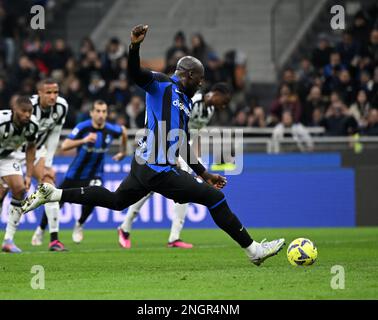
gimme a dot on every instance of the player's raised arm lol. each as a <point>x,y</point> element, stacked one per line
<point>142,77</point>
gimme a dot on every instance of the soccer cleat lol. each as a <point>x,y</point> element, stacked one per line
<point>38,197</point>
<point>77,234</point>
<point>179,244</point>
<point>37,238</point>
<point>10,247</point>
<point>267,250</point>
<point>57,246</point>
<point>124,239</point>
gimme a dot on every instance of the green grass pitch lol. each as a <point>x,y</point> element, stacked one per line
<point>215,269</point>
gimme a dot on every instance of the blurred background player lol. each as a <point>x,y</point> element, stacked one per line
<point>203,109</point>
<point>50,110</point>
<point>92,139</point>
<point>17,126</point>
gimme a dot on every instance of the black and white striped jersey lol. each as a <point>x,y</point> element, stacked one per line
<point>12,137</point>
<point>200,115</point>
<point>49,118</point>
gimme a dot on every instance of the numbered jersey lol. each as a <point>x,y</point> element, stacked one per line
<point>12,137</point>
<point>200,115</point>
<point>49,118</point>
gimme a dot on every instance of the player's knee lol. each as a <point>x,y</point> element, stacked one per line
<point>214,196</point>
<point>18,192</point>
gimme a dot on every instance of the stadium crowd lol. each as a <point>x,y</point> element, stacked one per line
<point>335,86</point>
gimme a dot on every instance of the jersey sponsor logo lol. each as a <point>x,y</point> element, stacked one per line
<point>181,106</point>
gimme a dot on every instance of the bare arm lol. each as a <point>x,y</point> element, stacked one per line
<point>69,144</point>
<point>123,146</point>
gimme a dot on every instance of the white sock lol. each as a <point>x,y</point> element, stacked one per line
<point>56,195</point>
<point>132,213</point>
<point>52,211</point>
<point>14,216</point>
<point>253,249</point>
<point>178,221</point>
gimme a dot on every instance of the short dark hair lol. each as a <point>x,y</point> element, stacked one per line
<point>221,87</point>
<point>23,100</point>
<point>100,102</point>
<point>46,81</point>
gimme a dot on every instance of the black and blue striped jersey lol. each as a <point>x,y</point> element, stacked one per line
<point>90,157</point>
<point>168,111</point>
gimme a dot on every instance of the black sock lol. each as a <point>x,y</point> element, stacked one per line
<point>44,221</point>
<point>85,213</point>
<point>92,196</point>
<point>53,236</point>
<point>230,223</point>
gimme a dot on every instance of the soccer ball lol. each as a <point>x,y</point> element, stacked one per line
<point>302,252</point>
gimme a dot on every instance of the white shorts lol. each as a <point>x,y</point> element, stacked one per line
<point>40,153</point>
<point>9,166</point>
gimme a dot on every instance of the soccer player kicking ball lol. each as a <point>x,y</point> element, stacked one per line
<point>92,139</point>
<point>17,126</point>
<point>202,111</point>
<point>168,106</point>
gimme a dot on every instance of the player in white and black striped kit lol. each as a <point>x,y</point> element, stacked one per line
<point>17,127</point>
<point>204,106</point>
<point>50,110</point>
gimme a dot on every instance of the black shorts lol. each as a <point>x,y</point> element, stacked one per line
<point>175,184</point>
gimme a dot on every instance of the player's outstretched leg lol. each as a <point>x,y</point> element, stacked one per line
<point>124,229</point>
<point>174,240</point>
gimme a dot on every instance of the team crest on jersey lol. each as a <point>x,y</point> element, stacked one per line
<point>108,139</point>
<point>16,166</point>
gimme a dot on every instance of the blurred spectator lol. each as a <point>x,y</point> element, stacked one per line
<point>287,128</point>
<point>59,55</point>
<point>119,93</point>
<point>179,48</point>
<point>90,65</point>
<point>200,49</point>
<point>360,109</point>
<point>371,49</point>
<point>96,89</point>
<point>347,48</point>
<point>114,52</point>
<point>360,29</point>
<point>135,114</point>
<point>257,118</point>
<point>371,128</point>
<point>241,118</point>
<point>321,54</point>
<point>86,46</point>
<point>346,87</point>
<point>287,101</point>
<point>314,101</point>
<point>338,122</point>
<point>5,94</point>
<point>25,69</point>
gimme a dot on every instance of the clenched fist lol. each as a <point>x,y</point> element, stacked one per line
<point>138,34</point>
